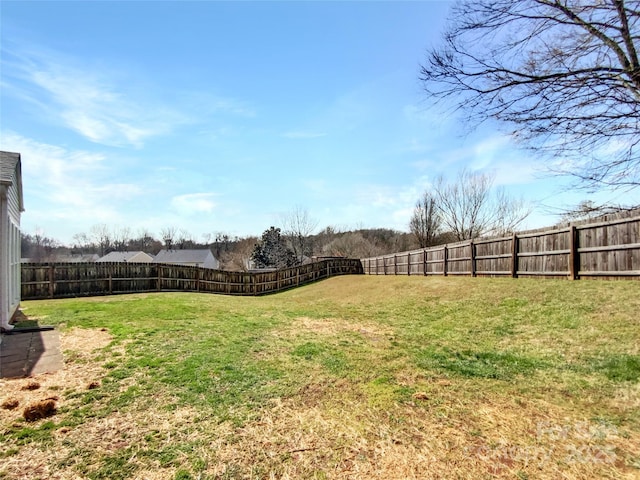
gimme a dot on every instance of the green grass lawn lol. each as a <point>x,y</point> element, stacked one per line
<point>352,377</point>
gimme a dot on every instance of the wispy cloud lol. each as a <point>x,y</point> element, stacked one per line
<point>68,186</point>
<point>494,153</point>
<point>373,204</point>
<point>92,101</point>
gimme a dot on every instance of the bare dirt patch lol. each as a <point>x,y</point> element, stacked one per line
<point>80,346</point>
<point>85,341</point>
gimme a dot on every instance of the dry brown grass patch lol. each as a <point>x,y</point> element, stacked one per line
<point>336,326</point>
<point>501,439</point>
<point>38,410</point>
<point>10,403</point>
<point>32,385</point>
<point>84,341</point>
<point>77,449</point>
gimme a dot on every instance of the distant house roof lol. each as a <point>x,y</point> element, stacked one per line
<point>196,257</point>
<point>131,257</point>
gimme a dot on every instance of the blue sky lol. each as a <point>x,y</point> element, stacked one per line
<point>223,117</point>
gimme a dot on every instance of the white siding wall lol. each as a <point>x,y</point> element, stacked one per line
<point>10,248</point>
<point>14,246</point>
<point>13,203</point>
<point>14,267</point>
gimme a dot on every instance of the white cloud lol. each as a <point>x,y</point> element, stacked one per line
<point>492,153</point>
<point>90,100</point>
<point>194,203</point>
<point>66,189</point>
<point>376,205</point>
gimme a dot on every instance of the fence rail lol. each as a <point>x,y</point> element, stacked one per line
<point>608,248</point>
<point>60,280</point>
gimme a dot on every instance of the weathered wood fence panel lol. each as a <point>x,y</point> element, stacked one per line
<point>608,248</point>
<point>60,280</point>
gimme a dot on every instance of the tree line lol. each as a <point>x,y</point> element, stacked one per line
<point>277,247</point>
<point>466,207</point>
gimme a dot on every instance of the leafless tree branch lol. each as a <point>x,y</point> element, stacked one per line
<point>564,75</point>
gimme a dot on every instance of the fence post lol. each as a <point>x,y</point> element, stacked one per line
<point>514,256</point>
<point>424,262</point>
<point>444,264</point>
<point>159,277</point>
<point>52,273</point>
<point>409,263</point>
<point>198,279</point>
<point>574,257</point>
<point>472,247</point>
<point>395,264</point>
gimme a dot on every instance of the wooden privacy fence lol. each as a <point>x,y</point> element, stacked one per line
<point>609,248</point>
<point>59,280</point>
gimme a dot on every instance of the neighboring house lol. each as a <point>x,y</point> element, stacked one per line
<point>11,206</point>
<point>194,258</point>
<point>129,257</point>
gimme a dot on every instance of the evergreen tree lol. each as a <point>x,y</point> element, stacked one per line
<point>272,251</point>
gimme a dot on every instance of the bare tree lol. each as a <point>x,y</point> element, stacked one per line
<point>588,209</point>
<point>145,240</point>
<point>38,247</point>
<point>184,240</point>
<point>81,242</point>
<point>469,206</point>
<point>238,258</point>
<point>168,235</point>
<point>564,74</point>
<point>121,238</point>
<point>101,236</point>
<point>298,228</point>
<point>510,212</point>
<point>351,245</point>
<point>425,222</point>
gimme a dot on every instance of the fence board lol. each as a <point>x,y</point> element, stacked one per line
<point>59,280</point>
<point>603,248</point>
